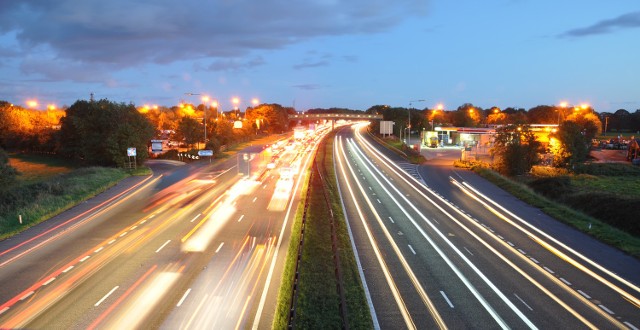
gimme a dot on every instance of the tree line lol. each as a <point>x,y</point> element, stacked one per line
<point>99,132</point>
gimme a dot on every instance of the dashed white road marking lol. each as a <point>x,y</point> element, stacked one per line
<point>606,309</point>
<point>565,281</point>
<point>444,295</point>
<point>196,217</point>
<point>163,245</point>
<point>106,296</point>
<point>68,269</point>
<point>254,199</point>
<point>184,296</point>
<point>467,250</point>
<point>111,241</point>
<point>534,260</point>
<point>631,326</point>
<point>85,258</point>
<point>391,219</point>
<point>27,295</point>
<point>98,249</point>
<point>219,247</point>
<point>241,217</point>
<point>549,270</point>
<point>522,301</point>
<point>412,250</point>
<point>49,281</point>
<point>121,235</point>
<point>584,294</point>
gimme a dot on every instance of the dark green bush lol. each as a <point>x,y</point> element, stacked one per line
<point>554,187</point>
<point>618,211</point>
<point>607,169</point>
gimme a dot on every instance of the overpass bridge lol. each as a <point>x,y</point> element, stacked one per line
<point>334,116</point>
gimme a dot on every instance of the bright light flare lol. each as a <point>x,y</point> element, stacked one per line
<point>144,303</point>
<point>32,103</point>
<point>200,237</point>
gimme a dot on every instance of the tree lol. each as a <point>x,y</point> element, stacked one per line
<point>99,132</point>
<point>189,130</point>
<point>572,147</point>
<point>7,172</point>
<point>467,115</point>
<point>543,114</point>
<point>515,150</point>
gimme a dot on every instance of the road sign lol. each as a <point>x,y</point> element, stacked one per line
<point>205,152</point>
<point>131,152</point>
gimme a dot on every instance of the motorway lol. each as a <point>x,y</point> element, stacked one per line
<point>442,248</point>
<point>191,247</point>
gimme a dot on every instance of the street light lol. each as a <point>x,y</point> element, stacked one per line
<point>205,99</point>
<point>439,107</point>
<point>214,104</point>
<point>410,103</point>
<point>235,102</point>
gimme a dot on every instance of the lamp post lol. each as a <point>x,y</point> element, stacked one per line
<point>410,104</point>
<point>235,102</point>
<point>205,99</point>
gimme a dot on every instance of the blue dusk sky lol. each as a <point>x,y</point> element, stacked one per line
<point>323,53</point>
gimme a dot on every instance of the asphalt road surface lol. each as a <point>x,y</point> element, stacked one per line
<point>198,246</point>
<point>442,248</point>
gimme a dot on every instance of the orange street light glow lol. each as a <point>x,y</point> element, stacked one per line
<point>205,99</point>
<point>32,103</point>
<point>214,104</point>
<point>439,107</point>
<point>255,102</point>
<point>51,106</point>
<point>563,104</point>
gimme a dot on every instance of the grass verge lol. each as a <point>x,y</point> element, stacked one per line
<point>40,200</point>
<point>317,304</point>
<point>596,228</point>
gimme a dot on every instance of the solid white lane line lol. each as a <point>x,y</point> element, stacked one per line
<point>106,296</point>
<point>196,217</point>
<point>163,245</point>
<point>241,217</point>
<point>565,281</point>
<point>49,281</point>
<point>68,269</point>
<point>219,247</point>
<point>522,301</point>
<point>85,258</point>
<point>184,296</point>
<point>412,250</point>
<point>446,298</point>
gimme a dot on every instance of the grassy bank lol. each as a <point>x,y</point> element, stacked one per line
<point>590,225</point>
<point>37,199</point>
<point>318,300</point>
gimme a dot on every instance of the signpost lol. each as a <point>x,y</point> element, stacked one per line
<point>156,145</point>
<point>203,153</point>
<point>131,152</point>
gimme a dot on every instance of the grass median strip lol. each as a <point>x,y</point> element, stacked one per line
<point>318,301</point>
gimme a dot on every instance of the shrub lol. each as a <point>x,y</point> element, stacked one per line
<point>607,169</point>
<point>615,210</point>
<point>554,187</point>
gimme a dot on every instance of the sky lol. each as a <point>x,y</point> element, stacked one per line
<point>323,53</point>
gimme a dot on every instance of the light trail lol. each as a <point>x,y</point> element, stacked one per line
<point>444,257</point>
<point>634,300</point>
<point>380,156</point>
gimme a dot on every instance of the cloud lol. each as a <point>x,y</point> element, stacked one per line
<point>307,64</point>
<point>626,21</point>
<point>128,33</point>
<point>233,64</point>
<point>309,87</point>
